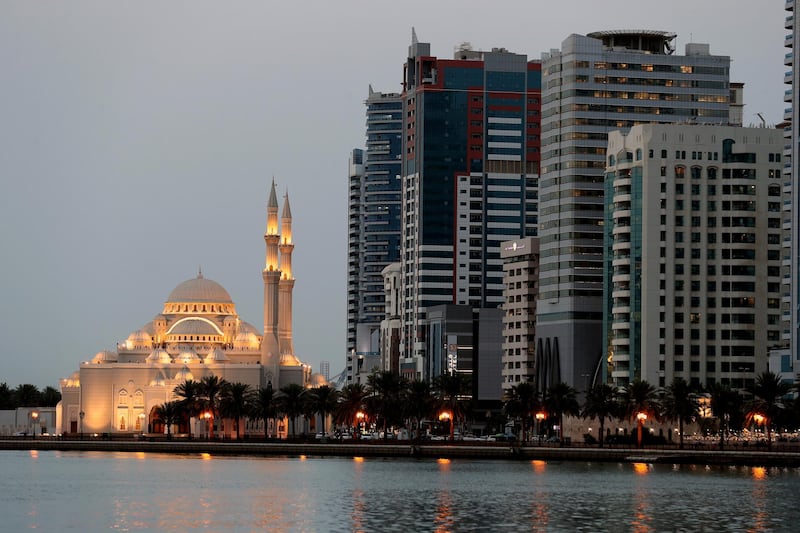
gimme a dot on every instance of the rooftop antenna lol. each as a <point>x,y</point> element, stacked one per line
<point>763,122</point>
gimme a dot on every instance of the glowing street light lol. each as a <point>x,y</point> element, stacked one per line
<point>445,416</point>
<point>35,418</point>
<point>540,416</point>
<point>360,416</point>
<point>640,420</point>
<point>207,417</point>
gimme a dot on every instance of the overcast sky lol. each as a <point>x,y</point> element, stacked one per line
<point>138,140</point>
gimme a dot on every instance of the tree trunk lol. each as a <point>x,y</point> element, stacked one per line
<point>602,430</point>
<point>680,439</point>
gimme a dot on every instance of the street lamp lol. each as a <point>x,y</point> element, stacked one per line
<point>81,415</point>
<point>540,416</point>
<point>640,419</point>
<point>35,417</point>
<point>207,416</point>
<point>445,416</point>
<point>359,421</point>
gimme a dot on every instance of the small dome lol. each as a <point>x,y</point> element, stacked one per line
<point>199,289</point>
<point>216,356</point>
<point>159,355</point>
<point>183,375</point>
<point>317,380</point>
<point>188,356</point>
<point>245,340</point>
<point>138,339</point>
<point>106,356</point>
<point>158,381</point>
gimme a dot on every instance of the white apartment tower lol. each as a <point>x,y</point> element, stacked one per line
<point>594,84</point>
<point>693,239</point>
<point>520,275</point>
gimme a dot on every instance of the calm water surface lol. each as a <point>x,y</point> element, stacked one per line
<point>56,491</point>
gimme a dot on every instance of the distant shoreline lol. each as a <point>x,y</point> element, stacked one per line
<point>429,451</point>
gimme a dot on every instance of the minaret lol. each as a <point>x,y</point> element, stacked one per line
<point>270,348</point>
<point>287,282</point>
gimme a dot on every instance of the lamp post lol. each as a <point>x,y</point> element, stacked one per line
<point>35,418</point>
<point>758,418</point>
<point>81,415</point>
<point>207,417</point>
<point>540,416</point>
<point>445,416</point>
<point>359,420</point>
<point>640,419</point>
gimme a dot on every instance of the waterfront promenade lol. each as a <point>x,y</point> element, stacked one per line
<point>704,456</point>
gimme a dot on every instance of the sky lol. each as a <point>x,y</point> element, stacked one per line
<point>138,141</point>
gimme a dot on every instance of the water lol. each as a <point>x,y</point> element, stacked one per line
<point>94,491</point>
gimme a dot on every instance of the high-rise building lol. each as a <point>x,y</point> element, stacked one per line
<point>373,225</point>
<point>521,268</point>
<point>786,356</point>
<point>470,164</point>
<point>605,81</point>
<point>693,239</point>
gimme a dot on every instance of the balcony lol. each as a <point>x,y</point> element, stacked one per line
<point>787,95</point>
<point>788,77</point>
<point>789,22</point>
<point>788,41</point>
<point>787,59</point>
<point>789,6</point>
<point>787,113</point>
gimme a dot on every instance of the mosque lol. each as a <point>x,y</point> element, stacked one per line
<point>198,333</point>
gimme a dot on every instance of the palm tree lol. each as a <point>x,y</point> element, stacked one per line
<point>211,388</point>
<point>520,402</point>
<point>351,402</point>
<point>50,397</point>
<point>769,392</point>
<point>263,405</point>
<point>322,400</point>
<point>680,405</point>
<point>291,402</point>
<point>601,403</point>
<point>450,389</point>
<point>6,397</point>
<point>384,398</point>
<point>560,400</point>
<point>639,400</point>
<point>725,402</point>
<point>189,394</point>
<point>418,404</point>
<point>27,395</point>
<point>169,413</point>
<point>234,402</point>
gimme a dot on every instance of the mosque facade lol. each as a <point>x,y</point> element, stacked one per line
<point>198,333</point>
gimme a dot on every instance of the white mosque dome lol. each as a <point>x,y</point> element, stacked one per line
<point>139,338</point>
<point>183,375</point>
<point>188,356</point>
<point>317,380</point>
<point>106,356</point>
<point>216,356</point>
<point>199,289</point>
<point>246,327</point>
<point>159,355</point>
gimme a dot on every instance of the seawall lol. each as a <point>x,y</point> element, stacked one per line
<point>459,451</point>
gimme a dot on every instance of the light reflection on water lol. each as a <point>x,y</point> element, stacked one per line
<point>134,491</point>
